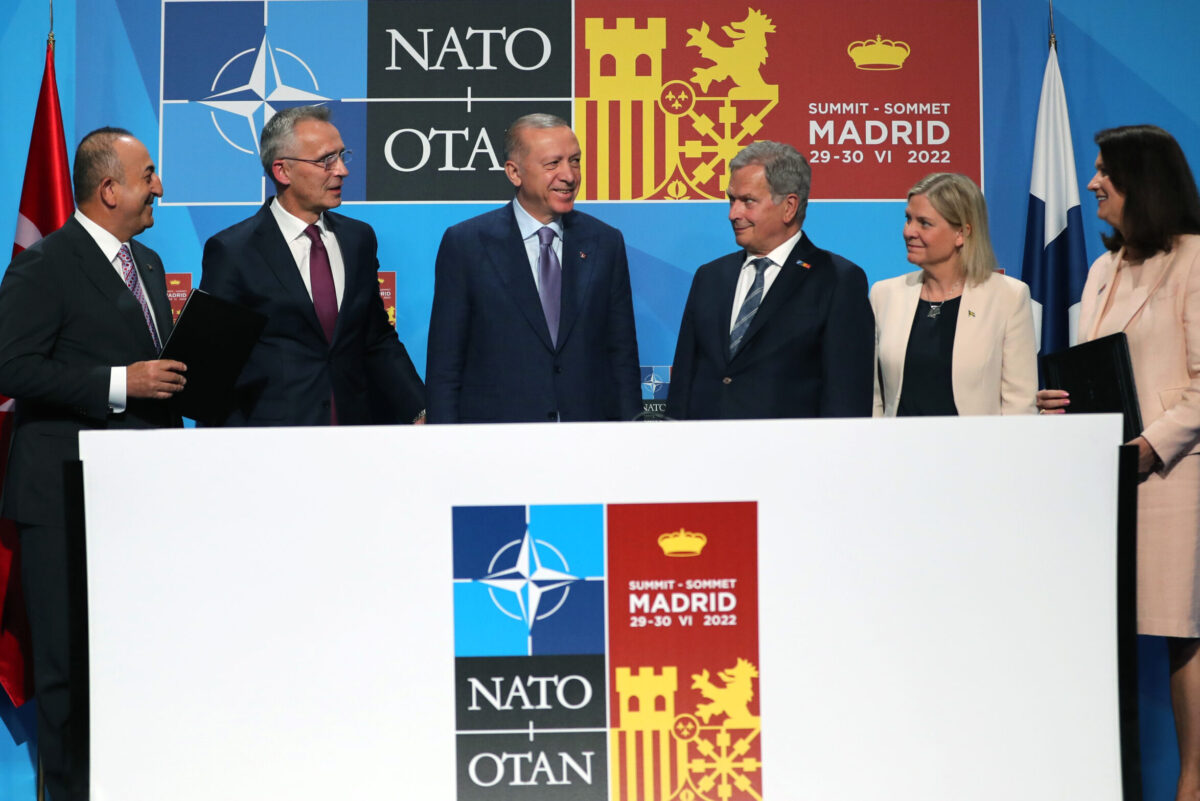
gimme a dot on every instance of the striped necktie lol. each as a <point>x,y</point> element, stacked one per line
<point>749,305</point>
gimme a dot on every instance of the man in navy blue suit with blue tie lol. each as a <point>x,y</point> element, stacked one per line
<point>779,328</point>
<point>532,309</point>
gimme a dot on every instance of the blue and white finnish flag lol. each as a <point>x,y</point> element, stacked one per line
<point>1055,262</point>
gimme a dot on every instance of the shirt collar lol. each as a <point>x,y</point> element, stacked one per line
<point>108,244</point>
<point>528,225</point>
<point>779,255</point>
<point>291,226</point>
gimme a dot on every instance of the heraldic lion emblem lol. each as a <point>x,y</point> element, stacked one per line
<point>733,699</point>
<point>741,60</point>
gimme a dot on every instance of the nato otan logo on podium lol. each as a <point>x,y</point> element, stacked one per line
<point>607,652</point>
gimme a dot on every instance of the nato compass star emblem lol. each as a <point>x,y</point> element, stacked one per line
<point>264,88</point>
<point>519,573</point>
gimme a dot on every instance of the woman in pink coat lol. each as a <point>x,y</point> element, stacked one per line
<point>1148,285</point>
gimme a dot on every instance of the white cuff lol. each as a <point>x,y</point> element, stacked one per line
<point>116,390</point>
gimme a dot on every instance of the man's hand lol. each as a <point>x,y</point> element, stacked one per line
<point>158,379</point>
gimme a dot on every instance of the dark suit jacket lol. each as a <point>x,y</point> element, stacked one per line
<point>490,356</point>
<point>293,369</point>
<point>66,318</point>
<point>809,352</point>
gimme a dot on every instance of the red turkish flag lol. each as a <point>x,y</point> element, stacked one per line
<point>46,203</point>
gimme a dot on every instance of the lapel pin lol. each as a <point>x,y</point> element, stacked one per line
<point>970,313</point>
<point>582,255</point>
<point>805,265</point>
<point>1102,288</point>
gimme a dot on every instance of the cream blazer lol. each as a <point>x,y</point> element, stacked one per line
<point>994,369</point>
<point>1161,318</point>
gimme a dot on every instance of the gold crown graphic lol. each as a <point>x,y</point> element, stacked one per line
<point>880,54</point>
<point>682,543</point>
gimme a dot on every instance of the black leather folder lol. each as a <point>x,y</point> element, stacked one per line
<point>213,337</point>
<point>1099,376</point>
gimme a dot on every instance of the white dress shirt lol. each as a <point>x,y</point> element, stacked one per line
<point>746,278</point>
<point>292,228</point>
<point>529,226</point>
<point>110,246</point>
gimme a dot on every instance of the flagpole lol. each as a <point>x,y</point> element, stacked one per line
<point>1053,41</point>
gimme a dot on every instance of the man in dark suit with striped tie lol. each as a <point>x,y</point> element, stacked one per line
<point>779,328</point>
<point>83,314</point>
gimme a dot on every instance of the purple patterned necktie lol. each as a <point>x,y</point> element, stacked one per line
<point>135,286</point>
<point>549,281</point>
<point>324,296</point>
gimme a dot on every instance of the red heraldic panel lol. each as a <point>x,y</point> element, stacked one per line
<point>875,95</point>
<point>683,652</point>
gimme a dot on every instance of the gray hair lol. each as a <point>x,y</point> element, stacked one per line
<point>786,170</point>
<point>514,144</point>
<point>95,160</point>
<point>279,133</point>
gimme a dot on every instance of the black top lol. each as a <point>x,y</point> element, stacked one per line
<point>927,388</point>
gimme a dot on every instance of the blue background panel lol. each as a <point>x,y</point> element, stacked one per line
<point>1121,63</point>
<point>203,40</point>
<point>197,166</point>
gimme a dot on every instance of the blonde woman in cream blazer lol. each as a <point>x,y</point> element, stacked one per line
<point>1148,286</point>
<point>992,366</point>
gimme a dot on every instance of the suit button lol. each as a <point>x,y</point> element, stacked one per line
<point>557,369</point>
<point>325,404</point>
<point>726,380</point>
<point>551,416</point>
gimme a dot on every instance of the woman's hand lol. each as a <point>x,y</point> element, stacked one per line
<point>1053,401</point>
<point>1148,460</point>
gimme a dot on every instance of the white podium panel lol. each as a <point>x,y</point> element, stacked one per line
<point>282,613</point>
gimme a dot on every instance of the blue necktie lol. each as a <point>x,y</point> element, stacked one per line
<point>749,305</point>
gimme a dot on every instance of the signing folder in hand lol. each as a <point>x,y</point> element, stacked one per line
<point>213,337</point>
<point>1099,376</point>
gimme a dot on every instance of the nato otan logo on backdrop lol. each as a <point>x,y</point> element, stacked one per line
<point>661,96</point>
<point>422,90</point>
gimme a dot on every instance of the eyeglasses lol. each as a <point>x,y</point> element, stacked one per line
<point>328,162</point>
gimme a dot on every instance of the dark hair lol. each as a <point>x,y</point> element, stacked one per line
<point>95,160</point>
<point>1146,164</point>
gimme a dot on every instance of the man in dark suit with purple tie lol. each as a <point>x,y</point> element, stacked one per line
<point>532,309</point>
<point>83,314</point>
<point>328,354</point>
